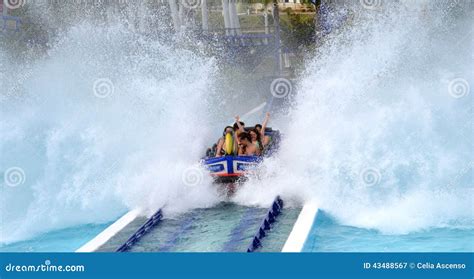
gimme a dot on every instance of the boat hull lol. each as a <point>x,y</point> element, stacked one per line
<point>231,168</point>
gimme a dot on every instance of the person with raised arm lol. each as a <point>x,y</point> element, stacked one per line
<point>239,127</point>
<point>255,135</point>
<point>246,147</point>
<point>261,129</point>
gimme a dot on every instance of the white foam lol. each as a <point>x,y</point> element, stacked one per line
<point>375,135</point>
<point>84,151</point>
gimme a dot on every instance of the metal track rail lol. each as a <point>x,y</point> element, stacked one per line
<point>270,218</point>
<point>142,231</point>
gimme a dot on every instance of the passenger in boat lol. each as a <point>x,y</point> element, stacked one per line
<point>239,127</point>
<point>246,147</point>
<point>261,129</point>
<point>221,142</point>
<point>255,135</point>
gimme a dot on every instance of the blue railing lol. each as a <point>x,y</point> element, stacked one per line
<point>142,231</point>
<point>270,218</point>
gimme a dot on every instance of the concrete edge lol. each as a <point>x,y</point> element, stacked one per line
<point>297,238</point>
<point>109,232</point>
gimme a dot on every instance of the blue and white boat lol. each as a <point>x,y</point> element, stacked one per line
<point>230,168</point>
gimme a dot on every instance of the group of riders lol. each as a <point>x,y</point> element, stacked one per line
<point>245,142</point>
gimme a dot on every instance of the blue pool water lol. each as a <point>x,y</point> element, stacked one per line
<point>67,240</point>
<point>227,227</point>
<point>327,235</point>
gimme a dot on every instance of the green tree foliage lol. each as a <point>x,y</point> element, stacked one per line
<point>298,29</point>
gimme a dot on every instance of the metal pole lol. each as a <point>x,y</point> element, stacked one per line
<point>182,20</point>
<point>225,12</point>
<point>174,15</point>
<point>234,17</point>
<point>205,16</point>
<point>265,16</point>
<point>5,9</point>
<point>276,22</point>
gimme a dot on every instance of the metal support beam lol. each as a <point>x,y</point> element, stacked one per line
<point>276,22</point>
<point>205,15</point>
<point>4,8</point>
<point>225,13</point>
<point>175,15</point>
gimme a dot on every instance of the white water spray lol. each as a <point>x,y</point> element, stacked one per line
<point>381,133</point>
<point>107,121</point>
